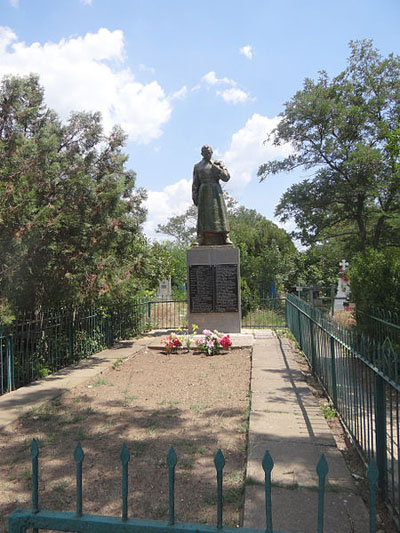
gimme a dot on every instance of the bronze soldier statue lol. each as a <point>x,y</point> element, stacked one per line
<point>212,218</point>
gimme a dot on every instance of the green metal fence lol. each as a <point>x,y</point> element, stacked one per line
<point>36,346</point>
<point>361,378</point>
<point>263,312</point>
<point>20,521</point>
<point>167,313</point>
<point>6,363</point>
<point>380,324</point>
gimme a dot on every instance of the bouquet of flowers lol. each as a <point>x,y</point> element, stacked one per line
<point>173,342</point>
<point>213,342</point>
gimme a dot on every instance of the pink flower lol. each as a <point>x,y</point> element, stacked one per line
<point>207,332</point>
<point>210,343</point>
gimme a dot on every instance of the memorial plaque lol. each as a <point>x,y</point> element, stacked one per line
<point>201,282</point>
<point>226,289</point>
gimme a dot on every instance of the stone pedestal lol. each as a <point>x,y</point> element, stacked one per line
<point>214,288</point>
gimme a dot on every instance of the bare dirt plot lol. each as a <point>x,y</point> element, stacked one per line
<point>197,403</point>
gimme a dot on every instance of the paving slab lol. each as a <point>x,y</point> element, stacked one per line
<point>296,511</point>
<point>287,421</point>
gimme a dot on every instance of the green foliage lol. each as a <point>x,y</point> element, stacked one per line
<point>375,280</point>
<point>328,411</point>
<point>182,228</point>
<point>266,251</point>
<point>70,216</point>
<point>347,130</point>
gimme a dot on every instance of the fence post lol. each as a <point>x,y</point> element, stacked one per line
<point>110,333</point>
<point>10,363</point>
<point>286,312</point>
<point>299,325</point>
<point>313,365</point>
<point>380,426</point>
<point>333,372</point>
<point>71,338</point>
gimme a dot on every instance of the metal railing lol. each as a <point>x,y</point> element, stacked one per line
<point>167,313</point>
<point>380,324</point>
<point>263,312</point>
<point>37,346</point>
<point>6,363</point>
<point>80,522</point>
<point>361,379</point>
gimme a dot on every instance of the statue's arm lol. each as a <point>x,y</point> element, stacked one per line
<point>195,187</point>
<point>223,173</point>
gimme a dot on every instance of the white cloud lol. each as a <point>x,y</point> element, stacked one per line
<point>247,51</point>
<point>211,79</point>
<point>233,95</point>
<point>14,3</point>
<point>180,94</point>
<point>86,2</point>
<point>173,200</point>
<point>248,150</point>
<point>88,73</point>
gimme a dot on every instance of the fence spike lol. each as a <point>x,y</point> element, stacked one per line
<point>219,461</point>
<point>171,462</point>
<point>322,470</point>
<point>268,465</point>
<point>35,475</point>
<point>373,476</point>
<point>125,458</point>
<point>79,456</point>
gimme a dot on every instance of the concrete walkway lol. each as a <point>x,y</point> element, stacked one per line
<point>285,419</point>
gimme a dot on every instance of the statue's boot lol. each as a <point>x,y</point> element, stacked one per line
<point>227,239</point>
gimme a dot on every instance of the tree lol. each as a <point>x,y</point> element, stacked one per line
<point>346,130</point>
<point>182,228</point>
<point>266,251</point>
<point>70,214</point>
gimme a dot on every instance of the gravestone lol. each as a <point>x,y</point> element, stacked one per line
<point>214,288</point>
<point>343,289</point>
<point>164,291</point>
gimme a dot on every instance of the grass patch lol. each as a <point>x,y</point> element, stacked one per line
<point>186,463</point>
<point>43,412</point>
<point>81,435</point>
<point>100,381</point>
<point>118,362</point>
<point>28,443</point>
<point>171,404</point>
<point>129,399</point>
<point>198,408</point>
<point>138,448</point>
<point>193,449</point>
<point>328,411</point>
<point>234,477</point>
<point>279,412</point>
<point>61,486</point>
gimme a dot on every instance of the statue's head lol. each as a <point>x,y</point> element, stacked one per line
<point>206,151</point>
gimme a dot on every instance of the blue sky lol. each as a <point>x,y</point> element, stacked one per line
<point>177,74</point>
